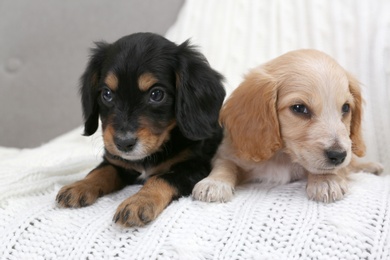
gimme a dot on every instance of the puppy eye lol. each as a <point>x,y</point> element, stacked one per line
<point>345,108</point>
<point>107,95</point>
<point>157,95</point>
<point>300,109</point>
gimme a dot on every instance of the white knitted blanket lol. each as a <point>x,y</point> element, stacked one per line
<point>262,222</point>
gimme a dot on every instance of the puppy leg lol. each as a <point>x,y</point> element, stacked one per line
<point>158,192</point>
<point>370,167</point>
<point>146,204</point>
<point>327,187</point>
<point>219,185</point>
<point>102,180</point>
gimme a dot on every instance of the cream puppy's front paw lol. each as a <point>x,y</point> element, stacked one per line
<point>326,187</point>
<point>212,190</point>
<point>370,167</point>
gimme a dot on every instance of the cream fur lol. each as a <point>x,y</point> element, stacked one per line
<point>265,140</point>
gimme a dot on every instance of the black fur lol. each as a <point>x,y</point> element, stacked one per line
<point>199,95</point>
<point>89,87</point>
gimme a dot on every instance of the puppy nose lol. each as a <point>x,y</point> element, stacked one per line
<point>125,144</point>
<point>336,157</point>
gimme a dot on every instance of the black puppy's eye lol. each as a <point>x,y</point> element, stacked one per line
<point>157,95</point>
<point>345,108</point>
<point>107,95</point>
<point>300,109</point>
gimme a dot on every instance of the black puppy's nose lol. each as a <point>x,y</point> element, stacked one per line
<point>336,157</point>
<point>125,144</point>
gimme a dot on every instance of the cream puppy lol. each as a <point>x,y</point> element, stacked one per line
<point>297,116</point>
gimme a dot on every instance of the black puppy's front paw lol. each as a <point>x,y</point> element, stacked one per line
<point>138,210</point>
<point>78,194</point>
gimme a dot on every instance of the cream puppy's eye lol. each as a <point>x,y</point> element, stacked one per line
<point>345,108</point>
<point>300,109</point>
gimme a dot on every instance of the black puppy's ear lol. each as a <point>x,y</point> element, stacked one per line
<point>88,90</point>
<point>200,94</point>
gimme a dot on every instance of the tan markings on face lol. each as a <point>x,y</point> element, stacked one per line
<point>108,139</point>
<point>111,81</point>
<point>149,139</point>
<point>146,80</point>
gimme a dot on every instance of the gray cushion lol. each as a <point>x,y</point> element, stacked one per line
<point>43,51</point>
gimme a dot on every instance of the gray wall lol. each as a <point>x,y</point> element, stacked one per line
<point>44,49</point>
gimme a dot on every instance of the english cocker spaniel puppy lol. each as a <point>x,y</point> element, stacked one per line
<point>297,116</point>
<point>159,105</point>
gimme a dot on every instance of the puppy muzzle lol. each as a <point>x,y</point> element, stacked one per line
<point>125,142</point>
<point>335,157</point>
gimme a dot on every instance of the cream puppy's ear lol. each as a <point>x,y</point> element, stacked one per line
<point>358,146</point>
<point>250,119</point>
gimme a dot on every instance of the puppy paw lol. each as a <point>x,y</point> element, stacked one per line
<point>211,190</point>
<point>326,188</point>
<point>78,194</point>
<point>137,210</point>
<point>371,167</point>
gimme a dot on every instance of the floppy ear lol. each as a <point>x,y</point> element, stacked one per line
<point>250,117</point>
<point>358,146</point>
<point>200,94</point>
<point>88,90</point>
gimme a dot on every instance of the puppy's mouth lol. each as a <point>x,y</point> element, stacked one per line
<point>126,147</point>
<point>135,146</point>
<point>328,163</point>
<point>133,157</point>
<point>133,149</point>
<point>123,157</point>
<point>135,154</point>
<point>322,170</point>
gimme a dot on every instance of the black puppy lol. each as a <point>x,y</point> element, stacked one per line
<point>159,104</point>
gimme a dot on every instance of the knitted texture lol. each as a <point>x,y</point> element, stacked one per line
<point>261,222</point>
